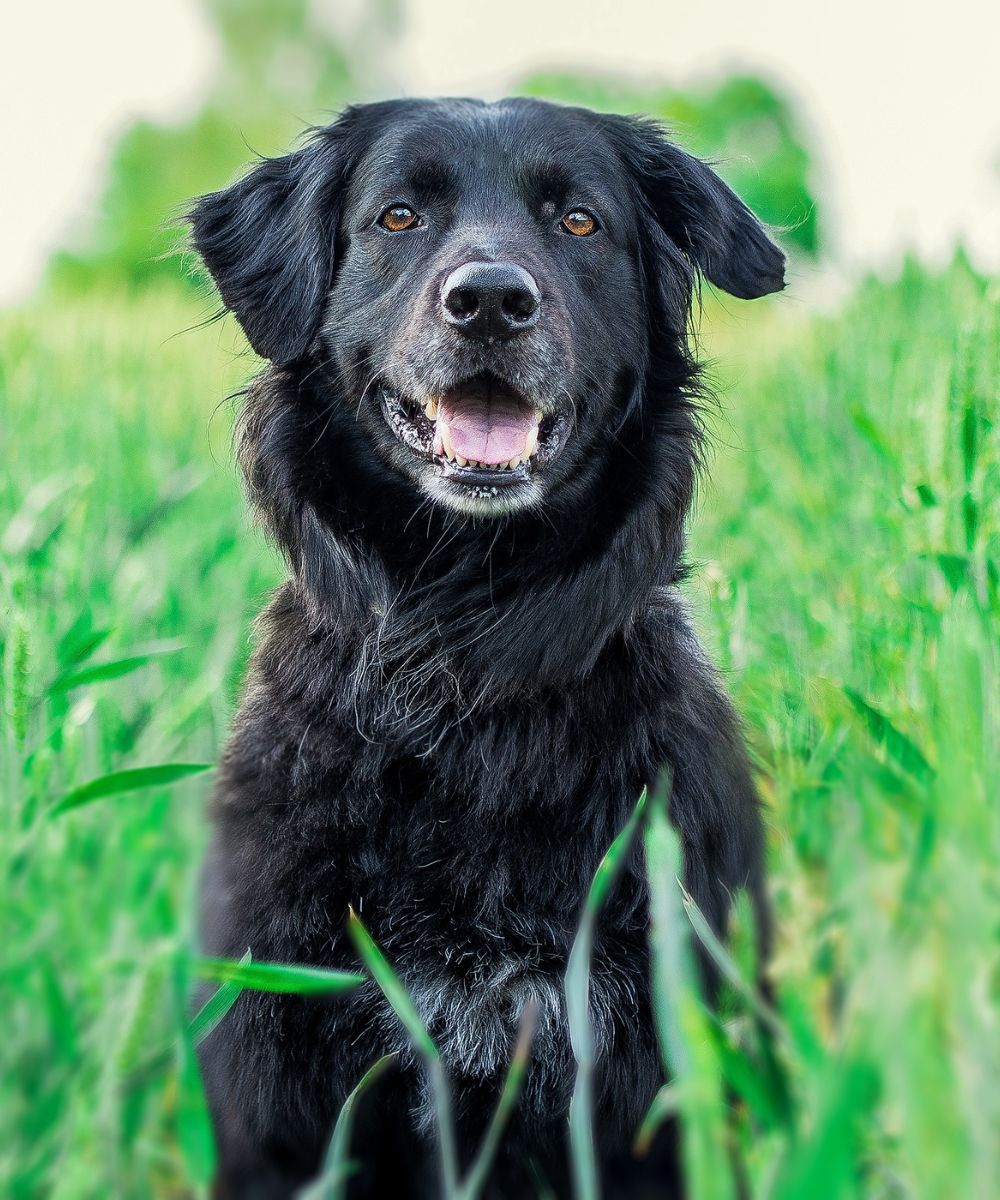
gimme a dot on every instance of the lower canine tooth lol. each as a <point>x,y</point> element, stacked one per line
<point>531,443</point>
<point>514,462</point>
<point>445,435</point>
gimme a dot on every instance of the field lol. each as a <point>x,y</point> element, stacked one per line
<point>847,578</point>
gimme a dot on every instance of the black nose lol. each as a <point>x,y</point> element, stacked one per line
<point>490,299</point>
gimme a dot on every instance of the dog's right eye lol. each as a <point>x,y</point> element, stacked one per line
<point>397,218</point>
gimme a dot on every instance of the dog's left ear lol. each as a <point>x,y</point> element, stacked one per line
<point>704,217</point>
<point>268,242</point>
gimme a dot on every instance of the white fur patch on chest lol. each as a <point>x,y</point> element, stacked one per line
<point>474,1016</point>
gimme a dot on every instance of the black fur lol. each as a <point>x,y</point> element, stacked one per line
<point>452,710</point>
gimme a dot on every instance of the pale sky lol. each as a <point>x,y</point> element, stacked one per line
<point>903,108</point>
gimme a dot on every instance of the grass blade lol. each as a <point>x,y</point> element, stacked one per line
<point>873,435</point>
<point>133,780</point>
<point>338,1167</point>
<point>393,990</point>
<point>80,641</point>
<point>682,1025</point>
<point>577,988</point>
<point>216,1007</point>
<point>19,677</point>
<point>194,1128</point>
<point>478,1173</point>
<point>287,978</point>
<point>753,1081</point>
<point>723,960</point>
<point>826,1163</point>
<point>902,750</point>
<point>673,971</point>
<point>611,864</point>
<point>666,1103</point>
<point>113,669</point>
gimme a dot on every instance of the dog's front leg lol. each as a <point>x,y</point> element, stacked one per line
<point>269,1117</point>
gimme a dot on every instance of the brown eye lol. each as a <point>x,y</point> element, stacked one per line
<point>579,222</point>
<point>398,218</point>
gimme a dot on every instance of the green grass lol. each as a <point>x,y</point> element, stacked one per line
<point>846,551</point>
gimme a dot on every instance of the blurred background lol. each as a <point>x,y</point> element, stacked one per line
<point>846,549</point>
<point>876,129</point>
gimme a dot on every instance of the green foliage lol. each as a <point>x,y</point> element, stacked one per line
<point>392,988</point>
<point>683,1024</point>
<point>285,64</point>
<point>577,991</point>
<point>215,1008</point>
<point>288,978</point>
<point>337,1166</point>
<point>743,124</point>
<point>194,1127</point>
<point>281,65</point>
<point>154,172</point>
<point>114,669</point>
<point>846,577</point>
<point>121,536</point>
<point>476,1177</point>
<point>869,668</point>
<point>133,780</point>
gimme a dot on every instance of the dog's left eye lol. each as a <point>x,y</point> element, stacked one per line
<point>397,218</point>
<point>580,223</point>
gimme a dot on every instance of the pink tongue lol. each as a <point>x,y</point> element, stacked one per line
<point>489,431</point>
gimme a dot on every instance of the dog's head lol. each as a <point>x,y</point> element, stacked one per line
<point>487,284</point>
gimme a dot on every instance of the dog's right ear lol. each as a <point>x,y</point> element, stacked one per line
<point>268,242</point>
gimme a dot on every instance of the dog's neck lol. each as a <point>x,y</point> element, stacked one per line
<point>510,604</point>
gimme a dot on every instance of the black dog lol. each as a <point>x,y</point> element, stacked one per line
<point>476,445</point>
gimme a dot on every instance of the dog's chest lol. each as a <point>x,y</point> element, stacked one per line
<point>450,868</point>
<point>479,919</point>
<point>474,1017</point>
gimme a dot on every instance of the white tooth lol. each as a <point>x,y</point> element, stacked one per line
<point>514,462</point>
<point>532,442</point>
<point>431,408</point>
<point>538,415</point>
<point>445,434</point>
<point>462,462</point>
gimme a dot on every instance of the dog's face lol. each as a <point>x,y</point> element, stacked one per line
<point>488,297</point>
<point>486,281</point>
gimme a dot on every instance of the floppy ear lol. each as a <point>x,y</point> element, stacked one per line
<point>268,242</point>
<point>700,214</point>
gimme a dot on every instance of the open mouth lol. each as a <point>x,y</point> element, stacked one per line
<point>480,432</point>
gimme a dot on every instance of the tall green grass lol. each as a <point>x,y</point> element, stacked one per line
<point>846,578</point>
